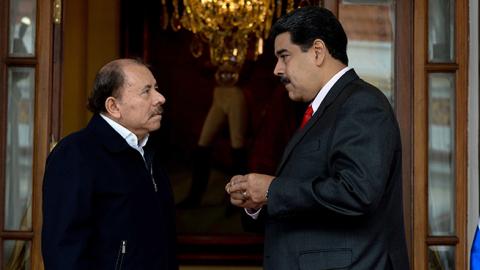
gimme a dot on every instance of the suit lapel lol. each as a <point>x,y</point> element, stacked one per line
<point>332,95</point>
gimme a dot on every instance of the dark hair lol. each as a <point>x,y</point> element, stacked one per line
<point>309,23</point>
<point>107,83</point>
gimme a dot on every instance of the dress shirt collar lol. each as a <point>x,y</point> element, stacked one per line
<point>127,135</point>
<point>326,88</point>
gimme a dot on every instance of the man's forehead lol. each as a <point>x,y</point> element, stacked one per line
<point>283,43</point>
<point>135,70</point>
<point>283,39</point>
<point>140,82</point>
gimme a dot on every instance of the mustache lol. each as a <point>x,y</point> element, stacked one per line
<point>284,80</point>
<point>157,111</point>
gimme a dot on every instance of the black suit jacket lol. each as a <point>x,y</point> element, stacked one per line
<point>100,208</point>
<point>336,202</point>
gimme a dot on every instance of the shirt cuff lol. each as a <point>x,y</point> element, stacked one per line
<point>252,213</point>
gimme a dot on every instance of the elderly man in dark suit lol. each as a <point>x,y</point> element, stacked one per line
<point>106,202</point>
<point>336,199</point>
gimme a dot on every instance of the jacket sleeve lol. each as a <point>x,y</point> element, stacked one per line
<point>67,210</point>
<point>363,147</point>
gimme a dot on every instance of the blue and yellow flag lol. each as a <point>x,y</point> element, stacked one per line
<point>475,252</point>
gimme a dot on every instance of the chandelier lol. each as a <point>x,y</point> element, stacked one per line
<point>228,27</point>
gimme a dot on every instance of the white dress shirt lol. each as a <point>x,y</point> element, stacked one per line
<point>126,134</point>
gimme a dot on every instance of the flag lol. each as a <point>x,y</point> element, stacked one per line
<point>475,252</point>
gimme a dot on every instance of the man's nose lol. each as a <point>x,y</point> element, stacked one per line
<point>159,98</point>
<point>279,70</point>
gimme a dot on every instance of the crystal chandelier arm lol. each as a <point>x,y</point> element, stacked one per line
<point>175,19</point>
<point>227,26</point>
<point>290,6</point>
<point>279,8</point>
<point>164,15</point>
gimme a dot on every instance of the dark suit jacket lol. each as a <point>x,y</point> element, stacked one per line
<point>100,209</point>
<point>336,202</point>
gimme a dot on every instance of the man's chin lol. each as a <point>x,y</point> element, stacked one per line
<point>156,117</point>
<point>155,122</point>
<point>154,127</point>
<point>294,97</point>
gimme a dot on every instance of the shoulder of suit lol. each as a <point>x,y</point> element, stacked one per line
<point>363,89</point>
<point>75,142</point>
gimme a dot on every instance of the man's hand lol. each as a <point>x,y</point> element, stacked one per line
<point>248,191</point>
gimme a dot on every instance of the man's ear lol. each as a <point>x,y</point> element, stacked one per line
<point>111,106</point>
<point>320,51</point>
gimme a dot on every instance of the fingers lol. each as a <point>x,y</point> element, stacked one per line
<point>248,191</point>
<point>237,183</point>
<point>227,187</point>
<point>243,200</point>
<point>236,202</point>
<point>238,179</point>
<point>238,196</point>
<point>231,188</point>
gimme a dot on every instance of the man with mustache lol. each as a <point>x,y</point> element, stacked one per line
<point>335,201</point>
<point>107,204</point>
